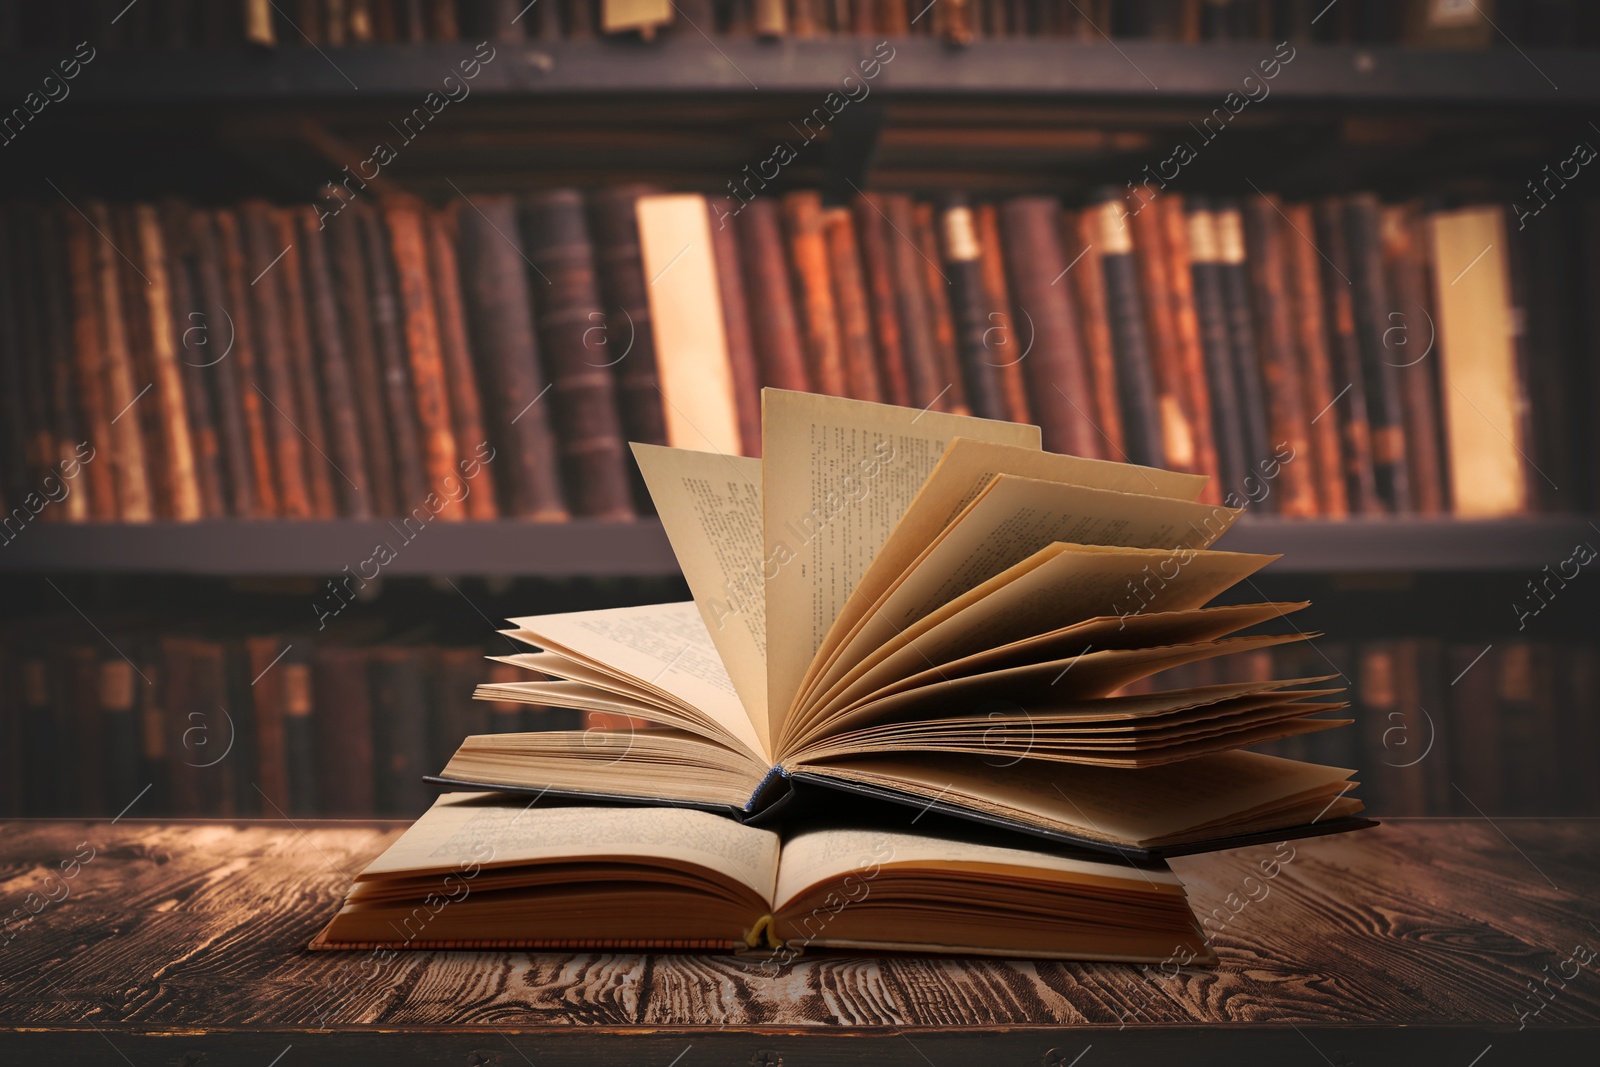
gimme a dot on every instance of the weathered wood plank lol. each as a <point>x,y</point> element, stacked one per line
<point>177,937</point>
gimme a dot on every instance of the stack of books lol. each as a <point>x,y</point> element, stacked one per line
<point>897,614</point>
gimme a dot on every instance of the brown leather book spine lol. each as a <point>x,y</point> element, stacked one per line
<point>1287,421</point>
<point>1080,244</point>
<point>343,726</point>
<point>267,700</point>
<point>177,444</point>
<point>773,320</point>
<point>1149,256</point>
<point>808,257</point>
<point>567,304</point>
<point>740,337</point>
<point>126,453</point>
<point>466,405</point>
<point>348,260</point>
<point>495,285</point>
<point>1192,382</point>
<point>1061,390</point>
<point>89,362</point>
<point>246,362</point>
<point>893,18</point>
<point>936,295</point>
<point>290,277</point>
<point>1406,272</point>
<point>408,245</point>
<point>580,19</point>
<point>880,278</point>
<point>179,246</point>
<point>442,24</point>
<point>973,313</point>
<point>805,21</point>
<point>71,443</point>
<point>399,405</point>
<point>850,299</point>
<point>22,333</point>
<point>281,410</point>
<point>626,337</point>
<point>334,381</point>
<point>1348,381</point>
<point>927,383</point>
<point>1004,343</point>
<point>1136,381</point>
<point>1316,378</point>
<point>209,340</point>
<point>1251,395</point>
<point>134,280</point>
<point>1371,303</point>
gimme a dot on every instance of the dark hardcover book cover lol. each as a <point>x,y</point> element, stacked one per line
<point>808,261</point>
<point>880,278</point>
<point>278,396</point>
<point>1061,392</point>
<point>740,336</point>
<point>1288,423</point>
<point>774,321</point>
<point>926,382</point>
<point>246,361</point>
<point>936,298</point>
<point>1249,392</point>
<point>88,362</point>
<point>1349,379</point>
<point>400,730</point>
<point>1004,343</point>
<point>1136,382</point>
<point>963,265</point>
<point>626,335</point>
<point>566,298</point>
<point>346,246</point>
<point>1205,270</point>
<point>495,285</point>
<point>1154,267</point>
<point>850,300</point>
<point>1080,243</point>
<point>335,380</point>
<point>405,444</point>
<point>343,731</point>
<point>438,448</point>
<point>1371,303</point>
<point>1412,350</point>
<point>1316,375</point>
<point>308,392</point>
<point>1548,256</point>
<point>461,379</point>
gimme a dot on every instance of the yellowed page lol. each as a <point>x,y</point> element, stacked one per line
<point>663,646</point>
<point>686,317</point>
<point>710,506</point>
<point>1012,519</point>
<point>1071,584</point>
<point>461,829</point>
<point>838,475</point>
<point>964,471</point>
<point>831,855</point>
<point>1130,806</point>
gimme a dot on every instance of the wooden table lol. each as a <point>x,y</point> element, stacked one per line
<point>1414,943</point>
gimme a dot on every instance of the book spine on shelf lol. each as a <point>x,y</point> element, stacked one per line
<point>72,444</point>
<point>177,443</point>
<point>926,383</point>
<point>850,299</point>
<point>808,259</point>
<point>1195,391</point>
<point>1407,350</point>
<point>962,262</point>
<point>1371,305</point>
<point>1136,381</point>
<point>495,286</point>
<point>1178,438</point>
<point>389,339</point>
<point>345,242</point>
<point>739,332</point>
<point>566,306</point>
<point>1348,379</point>
<point>126,454</point>
<point>1003,342</point>
<point>461,381</point>
<point>1316,375</point>
<point>880,276</point>
<point>774,321</point>
<point>936,298</point>
<point>343,728</point>
<point>280,411</point>
<point>1245,347</point>
<point>1080,242</point>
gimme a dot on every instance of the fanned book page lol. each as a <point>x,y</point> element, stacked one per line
<point>928,610</point>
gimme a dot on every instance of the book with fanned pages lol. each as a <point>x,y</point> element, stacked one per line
<point>927,609</point>
<point>481,872</point>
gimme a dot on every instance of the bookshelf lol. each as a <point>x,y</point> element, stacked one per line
<point>1001,116</point>
<point>1037,71</point>
<point>639,549</point>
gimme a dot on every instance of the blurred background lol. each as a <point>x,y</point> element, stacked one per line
<point>323,324</point>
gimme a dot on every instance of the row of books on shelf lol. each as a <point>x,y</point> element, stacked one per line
<point>490,357</point>
<point>258,725</point>
<point>273,725</point>
<point>340,23</point>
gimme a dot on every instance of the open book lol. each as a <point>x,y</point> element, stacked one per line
<point>487,872</point>
<point>928,609</point>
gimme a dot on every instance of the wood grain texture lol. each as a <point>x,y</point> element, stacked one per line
<point>1414,939</point>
